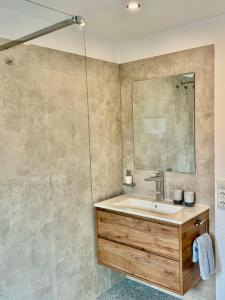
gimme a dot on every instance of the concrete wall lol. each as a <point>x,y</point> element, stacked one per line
<point>201,62</point>
<point>106,149</point>
<point>46,224</point>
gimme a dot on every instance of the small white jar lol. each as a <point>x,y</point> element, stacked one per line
<point>178,196</point>
<point>128,178</point>
<point>189,198</point>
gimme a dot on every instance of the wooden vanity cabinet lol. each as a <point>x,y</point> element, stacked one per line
<point>154,251</point>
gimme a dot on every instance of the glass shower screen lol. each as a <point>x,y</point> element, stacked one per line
<point>45,190</point>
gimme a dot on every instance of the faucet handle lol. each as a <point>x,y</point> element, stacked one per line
<point>156,175</point>
<point>159,174</point>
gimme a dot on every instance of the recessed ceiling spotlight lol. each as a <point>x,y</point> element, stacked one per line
<point>133,5</point>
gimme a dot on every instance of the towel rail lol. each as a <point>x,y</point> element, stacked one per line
<point>200,223</point>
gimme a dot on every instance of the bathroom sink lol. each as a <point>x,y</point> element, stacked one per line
<point>149,206</point>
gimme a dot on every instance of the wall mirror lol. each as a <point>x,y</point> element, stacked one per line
<point>164,123</point>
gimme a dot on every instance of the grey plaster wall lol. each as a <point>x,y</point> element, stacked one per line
<point>106,145</point>
<point>46,211</point>
<point>50,173</point>
<point>201,62</point>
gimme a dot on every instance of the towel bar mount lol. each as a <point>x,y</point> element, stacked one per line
<point>200,223</point>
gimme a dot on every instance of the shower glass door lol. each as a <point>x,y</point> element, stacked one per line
<point>45,191</point>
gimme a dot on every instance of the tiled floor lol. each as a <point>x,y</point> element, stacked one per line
<point>130,290</point>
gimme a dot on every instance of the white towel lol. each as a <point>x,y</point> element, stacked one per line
<point>203,253</point>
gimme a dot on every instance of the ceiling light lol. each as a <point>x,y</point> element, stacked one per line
<point>133,5</point>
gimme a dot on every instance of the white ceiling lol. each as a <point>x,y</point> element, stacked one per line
<point>109,19</point>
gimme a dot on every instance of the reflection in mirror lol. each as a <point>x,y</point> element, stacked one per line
<point>163,118</point>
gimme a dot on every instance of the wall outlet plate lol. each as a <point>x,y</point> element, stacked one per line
<point>221,193</point>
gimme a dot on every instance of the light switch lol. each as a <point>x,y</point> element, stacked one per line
<point>221,193</point>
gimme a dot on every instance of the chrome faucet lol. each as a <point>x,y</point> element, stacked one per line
<point>159,184</point>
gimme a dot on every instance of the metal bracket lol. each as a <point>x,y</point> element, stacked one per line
<point>68,22</point>
<point>200,223</point>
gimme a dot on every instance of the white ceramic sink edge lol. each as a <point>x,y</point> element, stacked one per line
<point>147,207</point>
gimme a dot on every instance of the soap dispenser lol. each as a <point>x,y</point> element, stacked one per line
<point>128,178</point>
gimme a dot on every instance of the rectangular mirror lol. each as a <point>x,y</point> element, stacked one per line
<point>164,123</point>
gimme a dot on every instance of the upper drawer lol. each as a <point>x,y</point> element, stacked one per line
<point>149,236</point>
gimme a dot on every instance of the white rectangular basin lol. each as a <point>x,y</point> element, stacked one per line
<point>143,206</point>
<point>147,205</point>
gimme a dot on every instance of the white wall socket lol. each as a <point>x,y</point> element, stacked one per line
<point>221,193</point>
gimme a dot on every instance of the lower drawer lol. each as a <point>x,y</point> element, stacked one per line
<point>153,268</point>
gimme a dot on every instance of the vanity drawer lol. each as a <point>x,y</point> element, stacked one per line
<point>144,235</point>
<point>143,265</point>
